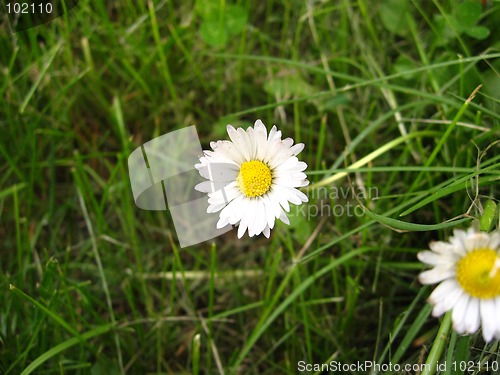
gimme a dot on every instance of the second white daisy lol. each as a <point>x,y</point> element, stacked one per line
<point>468,270</point>
<point>253,178</point>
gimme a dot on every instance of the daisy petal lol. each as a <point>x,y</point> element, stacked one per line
<point>473,318</point>
<point>458,315</point>
<point>488,319</point>
<point>436,275</point>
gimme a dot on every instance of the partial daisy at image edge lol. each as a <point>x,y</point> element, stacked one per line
<point>256,176</point>
<point>467,269</point>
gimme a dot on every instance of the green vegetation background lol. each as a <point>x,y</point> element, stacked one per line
<point>92,284</point>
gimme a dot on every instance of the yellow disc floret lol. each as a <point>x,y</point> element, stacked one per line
<point>254,179</point>
<point>478,273</point>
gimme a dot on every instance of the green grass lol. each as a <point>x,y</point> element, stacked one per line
<point>378,92</point>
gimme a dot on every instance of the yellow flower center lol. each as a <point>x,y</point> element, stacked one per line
<point>254,179</point>
<point>478,273</point>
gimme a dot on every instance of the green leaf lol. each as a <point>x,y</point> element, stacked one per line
<point>290,85</point>
<point>300,219</point>
<point>393,14</point>
<point>467,14</point>
<point>236,19</point>
<point>478,32</point>
<point>208,9</point>
<point>404,64</point>
<point>104,366</point>
<point>329,104</point>
<point>489,217</point>
<point>491,81</point>
<point>444,33</point>
<point>219,128</point>
<point>214,33</point>
<point>220,21</point>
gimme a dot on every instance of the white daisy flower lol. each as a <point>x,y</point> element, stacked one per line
<point>252,178</point>
<point>468,270</point>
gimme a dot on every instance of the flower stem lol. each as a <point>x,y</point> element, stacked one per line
<point>438,346</point>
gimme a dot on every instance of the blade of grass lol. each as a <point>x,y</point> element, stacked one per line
<point>458,185</point>
<point>438,346</point>
<point>102,275</point>
<point>401,322</point>
<point>273,311</point>
<point>405,226</point>
<point>372,156</point>
<point>64,346</point>
<point>412,332</point>
<point>164,65</point>
<point>195,360</point>
<point>56,318</point>
<point>41,75</point>
<point>445,136</point>
<point>353,78</point>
